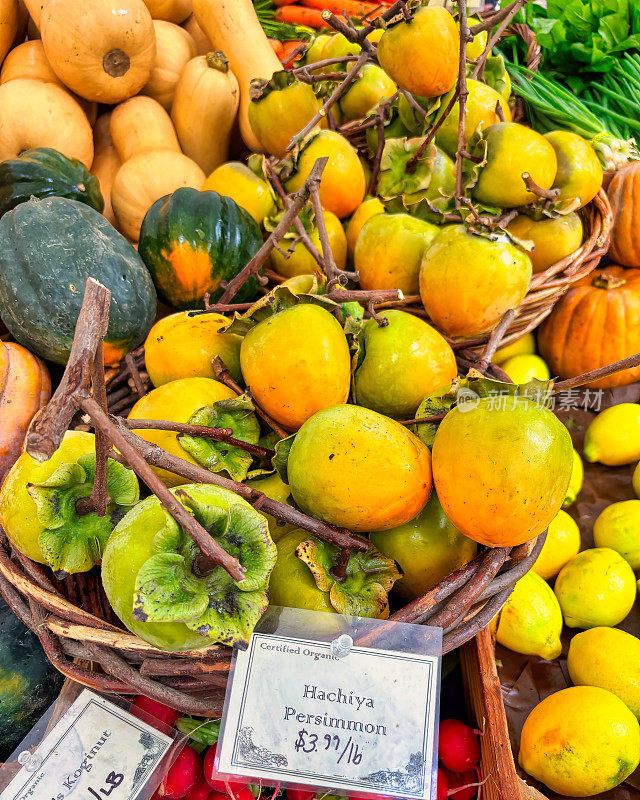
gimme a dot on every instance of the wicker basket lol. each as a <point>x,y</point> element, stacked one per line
<point>85,641</point>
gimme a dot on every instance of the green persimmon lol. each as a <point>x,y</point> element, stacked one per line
<point>167,593</point>
<point>38,505</point>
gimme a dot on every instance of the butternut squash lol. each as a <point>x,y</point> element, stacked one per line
<point>28,60</point>
<point>233,27</point>
<point>175,47</point>
<point>199,36</point>
<point>9,22</point>
<point>170,10</point>
<point>204,110</point>
<point>103,50</point>
<point>106,162</point>
<point>38,114</point>
<point>141,124</point>
<point>145,178</point>
<point>25,387</point>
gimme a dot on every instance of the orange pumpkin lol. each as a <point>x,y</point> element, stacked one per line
<point>596,323</point>
<point>25,387</point>
<point>624,196</point>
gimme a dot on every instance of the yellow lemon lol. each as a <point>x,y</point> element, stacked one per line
<point>618,527</point>
<point>613,437</point>
<point>524,346</point>
<point>580,741</point>
<point>636,480</point>
<point>576,481</point>
<point>367,209</point>
<point>531,620</point>
<point>608,658</point>
<point>524,368</point>
<point>561,545</point>
<point>595,588</point>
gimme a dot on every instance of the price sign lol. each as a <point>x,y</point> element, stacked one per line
<point>97,750</point>
<point>297,713</point>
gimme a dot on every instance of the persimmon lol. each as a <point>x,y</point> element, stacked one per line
<point>422,55</point>
<point>343,181</point>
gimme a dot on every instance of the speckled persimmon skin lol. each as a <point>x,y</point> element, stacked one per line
<point>355,468</point>
<point>295,363</point>
<point>501,468</point>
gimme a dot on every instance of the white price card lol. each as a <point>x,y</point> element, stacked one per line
<point>365,722</point>
<point>96,751</point>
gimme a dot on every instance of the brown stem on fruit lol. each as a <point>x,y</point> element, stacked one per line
<point>418,111</point>
<point>462,92</point>
<point>415,158</point>
<point>297,202</point>
<point>497,335</point>
<point>596,374</point>
<point>219,434</point>
<point>332,99</point>
<point>382,322</point>
<point>155,456</point>
<point>224,376</point>
<point>193,528</point>
<point>274,179</point>
<point>359,35</point>
<point>48,428</point>
<point>134,372</point>
<point>532,186</point>
<point>503,23</point>
<point>330,269</point>
<point>339,570</point>
<point>491,20</point>
<point>499,112</point>
<point>423,420</point>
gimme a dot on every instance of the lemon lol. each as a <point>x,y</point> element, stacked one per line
<point>531,620</point>
<point>618,527</point>
<point>561,545</point>
<point>525,345</point>
<point>576,481</point>
<point>595,588</point>
<point>580,741</point>
<point>524,368</point>
<point>613,437</point>
<point>608,658</point>
<point>636,480</point>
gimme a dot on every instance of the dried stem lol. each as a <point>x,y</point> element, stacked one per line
<point>297,202</point>
<point>200,536</point>
<point>423,420</point>
<point>134,372</point>
<point>330,269</point>
<point>49,427</point>
<point>511,11</point>
<point>532,186</point>
<point>332,99</point>
<point>219,434</point>
<point>495,19</point>
<point>155,456</point>
<point>596,374</point>
<point>415,158</point>
<point>224,376</point>
<point>98,500</point>
<point>462,92</point>
<point>497,335</point>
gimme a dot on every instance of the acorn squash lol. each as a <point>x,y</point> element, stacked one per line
<point>51,246</point>
<point>43,172</point>
<point>28,681</point>
<point>191,241</point>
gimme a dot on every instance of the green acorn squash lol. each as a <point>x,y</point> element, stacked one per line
<point>193,241</point>
<point>28,682</point>
<point>43,172</point>
<point>50,248</point>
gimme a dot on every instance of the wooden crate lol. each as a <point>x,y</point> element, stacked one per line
<point>482,685</point>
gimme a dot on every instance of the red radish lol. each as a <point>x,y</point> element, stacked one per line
<point>458,746</point>
<point>184,774</point>
<point>157,710</point>
<point>300,794</point>
<point>462,785</point>
<point>219,784</point>
<point>443,786</point>
<point>200,791</point>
